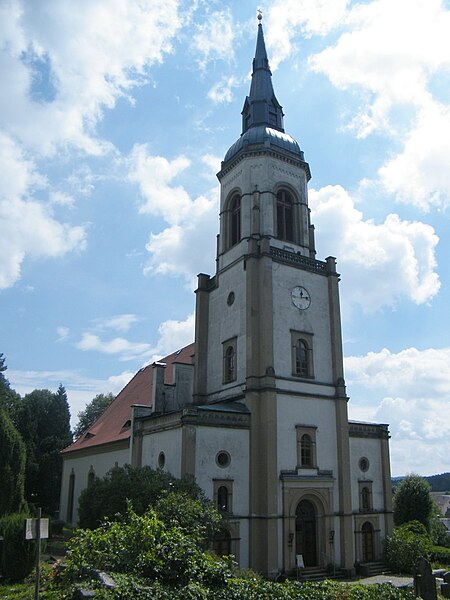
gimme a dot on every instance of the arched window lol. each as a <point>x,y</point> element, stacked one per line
<point>222,498</point>
<point>222,544</point>
<point>306,454</point>
<point>91,476</point>
<point>70,500</point>
<point>285,216</point>
<point>365,498</point>
<point>301,358</point>
<point>235,220</point>
<point>229,362</point>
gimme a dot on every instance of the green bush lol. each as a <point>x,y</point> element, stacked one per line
<point>17,554</point>
<point>406,545</point>
<point>440,555</point>
<point>258,589</point>
<point>144,547</point>
<point>143,487</point>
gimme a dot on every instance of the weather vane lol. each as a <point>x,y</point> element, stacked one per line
<point>259,11</point>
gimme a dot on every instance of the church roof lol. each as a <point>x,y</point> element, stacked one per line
<point>262,115</point>
<point>114,424</point>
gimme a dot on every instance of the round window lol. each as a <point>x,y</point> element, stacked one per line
<point>364,464</point>
<point>223,459</point>
<point>161,460</point>
<point>230,298</point>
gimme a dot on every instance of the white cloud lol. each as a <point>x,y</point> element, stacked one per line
<point>419,173</point>
<point>382,262</point>
<point>214,38</point>
<point>127,350</point>
<point>178,249</point>
<point>173,335</point>
<point>61,199</point>
<point>80,388</point>
<point>154,174</point>
<point>391,49</point>
<point>222,91</point>
<point>409,390</point>
<point>28,229</point>
<point>88,55</point>
<point>120,323</point>
<point>63,333</point>
<point>288,19</point>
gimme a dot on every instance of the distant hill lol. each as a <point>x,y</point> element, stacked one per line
<point>438,483</point>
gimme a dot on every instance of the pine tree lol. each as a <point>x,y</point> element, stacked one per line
<point>43,419</point>
<point>12,466</point>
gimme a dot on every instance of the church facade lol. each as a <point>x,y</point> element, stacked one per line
<point>256,408</point>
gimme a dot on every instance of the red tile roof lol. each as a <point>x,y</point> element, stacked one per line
<point>112,426</point>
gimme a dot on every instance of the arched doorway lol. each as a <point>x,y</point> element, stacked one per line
<point>306,532</point>
<point>367,542</point>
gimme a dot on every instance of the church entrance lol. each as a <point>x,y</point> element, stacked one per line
<point>367,542</point>
<point>306,532</point>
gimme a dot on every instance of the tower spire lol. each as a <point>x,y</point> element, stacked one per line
<point>261,106</point>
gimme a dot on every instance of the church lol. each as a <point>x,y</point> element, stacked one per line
<point>256,408</point>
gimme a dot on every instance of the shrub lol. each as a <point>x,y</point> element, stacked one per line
<point>143,487</point>
<point>17,554</point>
<point>145,548</point>
<point>406,545</point>
<point>440,555</point>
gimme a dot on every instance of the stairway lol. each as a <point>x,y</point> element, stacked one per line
<point>370,569</point>
<point>319,574</point>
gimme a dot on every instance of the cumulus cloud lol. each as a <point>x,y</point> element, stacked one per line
<point>88,57</point>
<point>80,388</point>
<point>409,390</point>
<point>172,335</point>
<point>178,249</point>
<point>214,38</point>
<point>125,349</point>
<point>288,19</point>
<point>222,91</point>
<point>120,323</point>
<point>392,51</point>
<point>382,262</point>
<point>62,332</point>
<point>388,54</point>
<point>418,175</point>
<point>28,229</point>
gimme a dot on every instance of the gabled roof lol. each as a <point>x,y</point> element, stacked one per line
<point>114,424</point>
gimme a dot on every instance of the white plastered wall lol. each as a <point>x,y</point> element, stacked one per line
<point>100,463</point>
<point>169,442</point>
<point>210,441</point>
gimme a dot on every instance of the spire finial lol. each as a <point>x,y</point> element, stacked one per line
<point>260,15</point>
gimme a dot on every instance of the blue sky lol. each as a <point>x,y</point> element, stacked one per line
<point>114,118</point>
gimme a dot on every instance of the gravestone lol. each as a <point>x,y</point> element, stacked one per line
<point>425,582</point>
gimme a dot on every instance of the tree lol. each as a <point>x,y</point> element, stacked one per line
<point>92,412</point>
<point>142,487</point>
<point>43,419</point>
<point>406,544</point>
<point>8,397</point>
<point>413,501</point>
<point>12,466</point>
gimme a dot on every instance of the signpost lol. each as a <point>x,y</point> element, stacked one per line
<point>37,529</point>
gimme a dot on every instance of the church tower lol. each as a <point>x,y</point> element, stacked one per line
<point>256,408</point>
<point>268,335</point>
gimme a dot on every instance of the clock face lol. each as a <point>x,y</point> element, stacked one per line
<point>300,297</point>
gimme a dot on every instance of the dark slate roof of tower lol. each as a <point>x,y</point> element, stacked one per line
<point>262,115</point>
<point>261,106</point>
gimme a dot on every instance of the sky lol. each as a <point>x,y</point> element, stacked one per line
<point>114,118</point>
